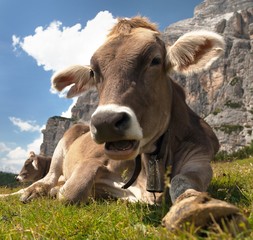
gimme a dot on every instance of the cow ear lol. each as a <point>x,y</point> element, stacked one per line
<point>32,154</point>
<point>80,76</point>
<point>195,51</point>
<point>35,163</point>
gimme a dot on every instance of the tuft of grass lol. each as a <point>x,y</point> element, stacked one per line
<point>109,219</point>
<point>231,104</point>
<point>217,111</point>
<point>235,80</point>
<point>228,129</point>
<point>233,182</point>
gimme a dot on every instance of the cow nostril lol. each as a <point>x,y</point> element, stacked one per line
<point>108,126</point>
<point>122,122</point>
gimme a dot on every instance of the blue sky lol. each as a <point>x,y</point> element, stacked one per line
<point>40,37</point>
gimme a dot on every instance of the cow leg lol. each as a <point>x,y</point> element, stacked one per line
<point>79,186</point>
<point>192,204</point>
<point>21,191</point>
<point>195,174</point>
<point>54,190</point>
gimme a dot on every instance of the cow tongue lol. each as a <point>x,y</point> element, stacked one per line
<point>122,145</point>
<point>122,150</point>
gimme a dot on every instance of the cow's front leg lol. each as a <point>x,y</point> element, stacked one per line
<point>78,188</point>
<point>192,204</point>
<point>195,174</point>
<point>40,188</point>
<point>43,186</point>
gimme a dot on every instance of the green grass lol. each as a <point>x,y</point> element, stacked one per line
<point>233,182</point>
<point>242,153</point>
<point>107,219</point>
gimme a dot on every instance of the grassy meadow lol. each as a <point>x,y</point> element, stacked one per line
<point>108,219</point>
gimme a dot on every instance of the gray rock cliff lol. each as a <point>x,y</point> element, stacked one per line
<point>57,126</point>
<point>222,95</point>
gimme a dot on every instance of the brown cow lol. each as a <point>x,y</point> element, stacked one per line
<point>141,112</point>
<point>85,166</point>
<point>35,168</point>
<point>139,104</point>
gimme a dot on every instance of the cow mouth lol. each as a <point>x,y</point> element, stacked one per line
<point>122,150</point>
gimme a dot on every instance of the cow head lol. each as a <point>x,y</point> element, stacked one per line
<point>130,71</point>
<point>29,171</point>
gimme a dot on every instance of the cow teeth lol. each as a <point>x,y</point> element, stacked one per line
<point>122,145</point>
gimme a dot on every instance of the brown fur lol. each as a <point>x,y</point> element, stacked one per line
<point>87,171</point>
<point>125,26</point>
<point>28,173</point>
<point>130,71</point>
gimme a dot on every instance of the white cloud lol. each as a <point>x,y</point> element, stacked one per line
<point>35,145</point>
<point>25,126</point>
<point>56,47</point>
<point>68,113</point>
<point>3,147</point>
<point>15,42</point>
<point>15,158</point>
<point>17,154</point>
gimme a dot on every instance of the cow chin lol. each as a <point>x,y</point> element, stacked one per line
<point>20,179</point>
<point>122,150</point>
<point>116,127</point>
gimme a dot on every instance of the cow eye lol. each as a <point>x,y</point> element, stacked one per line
<point>97,78</point>
<point>27,163</point>
<point>156,61</point>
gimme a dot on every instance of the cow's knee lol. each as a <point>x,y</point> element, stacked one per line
<point>179,184</point>
<point>69,194</point>
<point>194,174</point>
<point>77,188</point>
<point>189,180</point>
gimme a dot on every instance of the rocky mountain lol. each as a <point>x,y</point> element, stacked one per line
<point>56,126</point>
<point>222,95</point>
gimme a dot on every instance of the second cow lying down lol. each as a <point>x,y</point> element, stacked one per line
<point>35,168</point>
<point>141,112</point>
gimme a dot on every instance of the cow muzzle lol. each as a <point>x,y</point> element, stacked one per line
<point>118,128</point>
<point>19,178</point>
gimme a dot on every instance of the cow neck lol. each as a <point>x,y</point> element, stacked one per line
<point>156,165</point>
<point>157,162</point>
<point>136,172</point>
<point>47,166</point>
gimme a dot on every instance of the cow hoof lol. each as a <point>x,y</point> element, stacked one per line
<point>34,191</point>
<point>54,192</point>
<point>202,211</point>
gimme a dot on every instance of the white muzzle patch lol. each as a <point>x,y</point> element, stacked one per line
<point>134,132</point>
